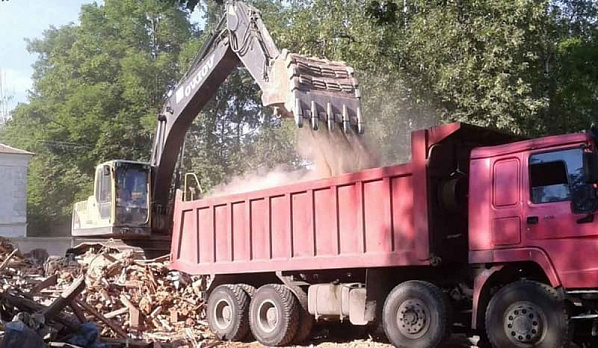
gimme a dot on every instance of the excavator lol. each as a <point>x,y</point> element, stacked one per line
<point>133,201</point>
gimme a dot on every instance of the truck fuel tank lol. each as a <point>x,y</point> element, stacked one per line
<point>341,301</point>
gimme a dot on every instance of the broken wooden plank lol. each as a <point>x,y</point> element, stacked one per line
<point>116,312</point>
<point>49,281</point>
<point>65,298</point>
<point>78,312</point>
<point>134,313</point>
<point>117,329</point>
<point>4,263</point>
<point>174,315</point>
<point>30,306</point>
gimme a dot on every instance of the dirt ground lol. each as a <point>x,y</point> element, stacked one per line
<point>457,341</point>
<point>348,338</point>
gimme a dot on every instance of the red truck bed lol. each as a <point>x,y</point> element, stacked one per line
<point>362,219</point>
<point>374,218</point>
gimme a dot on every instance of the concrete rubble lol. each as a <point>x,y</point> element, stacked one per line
<point>98,296</point>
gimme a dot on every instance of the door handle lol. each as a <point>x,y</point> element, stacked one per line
<point>532,220</point>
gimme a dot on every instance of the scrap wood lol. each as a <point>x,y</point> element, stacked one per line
<point>172,301</point>
<point>30,306</point>
<point>100,317</point>
<point>64,299</point>
<point>116,313</point>
<point>4,263</point>
<point>47,282</point>
<point>134,313</point>
<point>78,312</point>
<point>127,342</point>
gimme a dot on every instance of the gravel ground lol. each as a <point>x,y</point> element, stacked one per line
<point>323,339</point>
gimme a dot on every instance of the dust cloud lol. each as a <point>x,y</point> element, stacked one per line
<point>326,154</point>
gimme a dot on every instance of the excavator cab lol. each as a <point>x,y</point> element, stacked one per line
<point>120,205</point>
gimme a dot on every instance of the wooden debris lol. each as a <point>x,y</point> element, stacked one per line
<point>100,317</point>
<point>49,281</point>
<point>4,263</point>
<point>131,300</point>
<point>64,299</point>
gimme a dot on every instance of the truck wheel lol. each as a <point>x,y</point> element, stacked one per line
<point>306,320</point>
<point>227,314</point>
<point>274,315</point>
<point>527,314</point>
<point>416,314</point>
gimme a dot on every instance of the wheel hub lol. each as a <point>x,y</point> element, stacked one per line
<point>223,314</point>
<point>524,323</point>
<point>226,313</point>
<point>413,318</point>
<point>272,316</point>
<point>267,316</point>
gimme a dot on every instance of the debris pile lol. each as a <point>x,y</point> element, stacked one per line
<point>99,294</point>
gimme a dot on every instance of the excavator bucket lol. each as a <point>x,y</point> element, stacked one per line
<point>315,90</point>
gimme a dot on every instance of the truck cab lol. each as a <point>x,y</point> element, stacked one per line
<point>537,197</point>
<point>120,205</point>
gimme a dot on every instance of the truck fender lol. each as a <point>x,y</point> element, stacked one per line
<point>506,256</point>
<point>478,285</point>
<point>502,258</point>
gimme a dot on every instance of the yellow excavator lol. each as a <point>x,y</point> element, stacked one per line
<point>133,201</point>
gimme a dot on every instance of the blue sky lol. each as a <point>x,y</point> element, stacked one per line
<point>22,19</point>
<point>27,19</point>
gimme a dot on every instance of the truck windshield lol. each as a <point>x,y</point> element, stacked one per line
<point>131,194</point>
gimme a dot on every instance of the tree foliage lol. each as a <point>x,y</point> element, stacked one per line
<point>97,89</point>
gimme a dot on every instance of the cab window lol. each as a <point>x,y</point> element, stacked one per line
<point>553,175</point>
<point>105,188</point>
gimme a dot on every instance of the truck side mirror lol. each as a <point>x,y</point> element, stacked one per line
<point>584,200</point>
<point>590,167</point>
<point>106,170</point>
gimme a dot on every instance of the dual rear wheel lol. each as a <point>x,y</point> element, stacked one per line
<point>274,314</point>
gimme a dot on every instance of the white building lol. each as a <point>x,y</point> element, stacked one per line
<point>13,191</point>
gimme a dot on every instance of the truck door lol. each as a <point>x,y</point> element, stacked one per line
<point>552,175</point>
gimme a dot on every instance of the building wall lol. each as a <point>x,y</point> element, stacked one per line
<point>13,194</point>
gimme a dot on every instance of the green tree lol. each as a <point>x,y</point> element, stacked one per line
<point>97,88</point>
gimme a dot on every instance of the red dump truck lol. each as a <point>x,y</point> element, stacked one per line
<point>480,232</point>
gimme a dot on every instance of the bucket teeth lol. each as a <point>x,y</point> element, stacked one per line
<point>316,90</point>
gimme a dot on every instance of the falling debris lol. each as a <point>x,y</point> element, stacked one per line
<point>328,154</point>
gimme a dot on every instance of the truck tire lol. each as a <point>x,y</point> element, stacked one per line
<point>527,314</point>
<point>227,314</point>
<point>306,320</point>
<point>416,314</point>
<point>274,315</point>
<point>249,289</point>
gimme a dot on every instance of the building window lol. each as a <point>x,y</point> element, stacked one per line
<point>554,174</point>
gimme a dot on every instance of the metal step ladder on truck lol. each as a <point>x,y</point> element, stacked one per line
<point>479,232</point>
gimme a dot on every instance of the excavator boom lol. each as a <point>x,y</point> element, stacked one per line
<point>314,91</point>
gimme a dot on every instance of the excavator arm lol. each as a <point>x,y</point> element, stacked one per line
<point>132,200</point>
<point>296,86</point>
